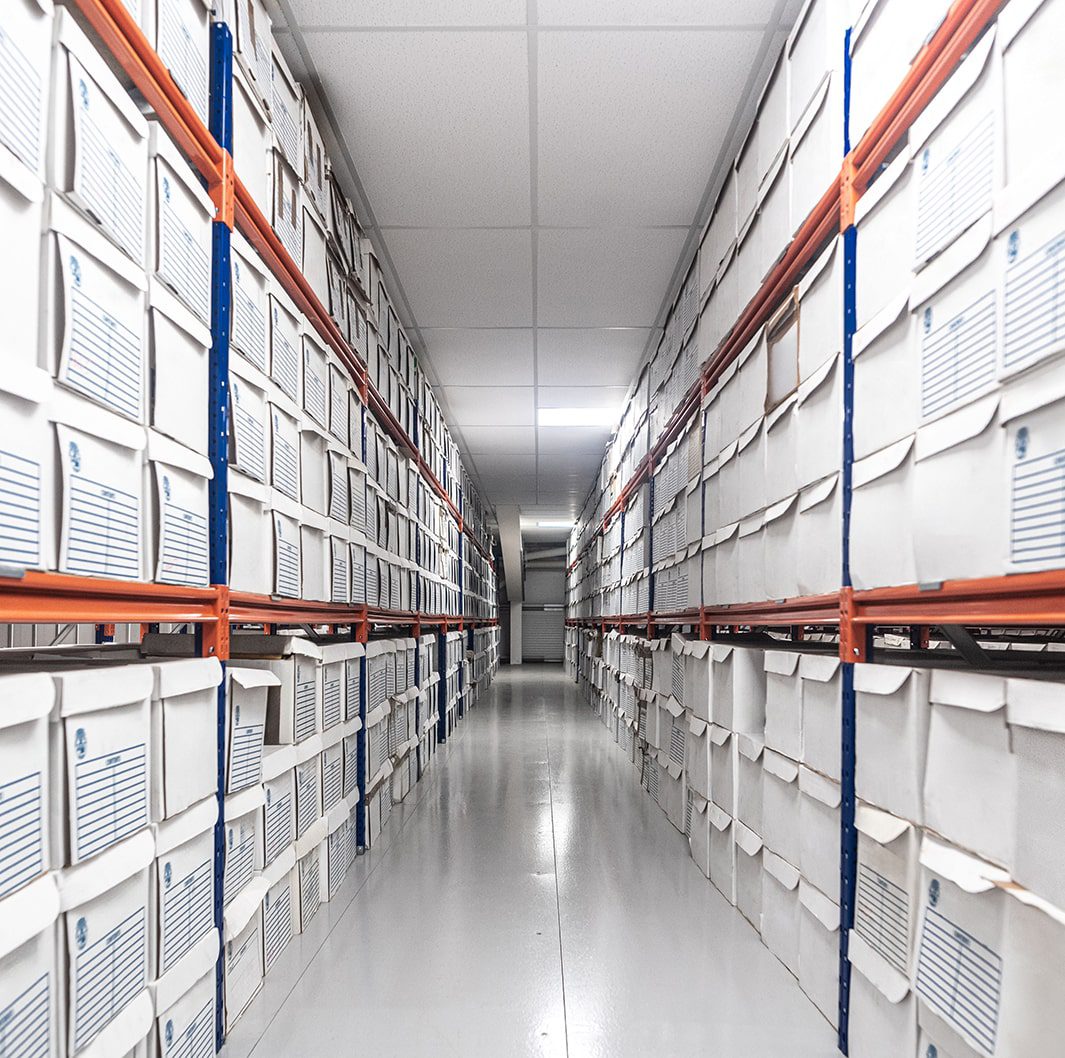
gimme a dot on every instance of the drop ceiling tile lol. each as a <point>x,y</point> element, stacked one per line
<point>558,440</point>
<point>437,122</point>
<point>335,13</point>
<point>490,405</point>
<point>632,124</point>
<point>582,397</point>
<point>465,278</point>
<point>607,356</point>
<point>659,13</point>
<point>604,278</point>
<point>480,357</point>
<point>505,440</point>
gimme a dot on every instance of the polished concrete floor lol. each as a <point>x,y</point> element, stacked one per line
<point>530,899</point>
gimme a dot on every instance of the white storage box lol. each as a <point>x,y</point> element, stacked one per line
<point>315,557</point>
<point>106,942</point>
<point>183,884</point>
<point>24,778</point>
<point>285,464</point>
<point>883,1011</point>
<point>279,802</point>
<point>249,422</point>
<point>815,148</point>
<point>886,379</point>
<point>251,542</point>
<point>780,805</point>
<point>970,779</point>
<point>184,720</point>
<point>279,908</point>
<point>247,690</point>
<point>100,744</point>
<point>28,984</point>
<point>187,1026</point>
<point>24,110</point>
<point>243,966</point>
<point>244,841</point>
<point>92,334</point>
<point>286,108</point>
<point>814,52</point>
<point>748,874</point>
<point>819,534</point>
<point>295,704</point>
<point>722,852</point>
<point>780,909</point>
<point>98,155</point>
<point>287,555</point>
<point>332,772</point>
<point>182,40</point>
<point>284,343</point>
<point>738,688</point>
<point>247,329</point>
<point>178,351</point>
<point>885,914</point>
<point>308,786</point>
<point>819,831</point>
<point>749,781</point>
<point>819,949</point>
<point>177,518</point>
<point>310,893</point>
<point>881,518</point>
<point>21,198</point>
<point>723,769</point>
<point>315,260</point>
<point>286,212</point>
<point>697,756</point>
<point>821,682</point>
<point>783,703</point>
<point>892,718</point>
<point>315,380</point>
<point>180,214</point>
<point>316,167</point>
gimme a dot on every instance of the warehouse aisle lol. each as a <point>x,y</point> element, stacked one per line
<point>532,901</point>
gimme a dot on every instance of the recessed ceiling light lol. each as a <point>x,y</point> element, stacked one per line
<point>576,416</point>
<point>558,523</point>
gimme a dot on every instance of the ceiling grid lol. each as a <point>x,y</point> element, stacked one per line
<point>533,174</point>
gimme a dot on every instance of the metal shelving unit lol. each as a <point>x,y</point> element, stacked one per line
<point>32,597</point>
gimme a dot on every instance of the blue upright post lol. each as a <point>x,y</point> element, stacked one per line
<point>848,734</point>
<point>221,124</point>
<point>441,690</point>
<point>360,760</point>
<point>649,539</point>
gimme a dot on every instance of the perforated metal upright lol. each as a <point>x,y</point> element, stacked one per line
<point>848,833</point>
<point>221,126</point>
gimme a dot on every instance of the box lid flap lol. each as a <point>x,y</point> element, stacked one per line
<point>1035,704</point>
<point>750,746</point>
<point>668,704</point>
<point>961,253</point>
<point>819,667</point>
<point>161,300</point>
<point>277,760</point>
<point>191,823</point>
<point>1037,902</point>
<point>1036,389</point>
<point>190,969</point>
<point>26,696</point>
<point>814,784</point>
<point>26,912</point>
<point>782,410</point>
<point>813,108</point>
<point>69,410</point>
<point>249,679</point>
<point>817,493</point>
<point>882,321</point>
<point>162,449</point>
<point>309,748</point>
<point>780,869</point>
<point>882,827</point>
<point>882,186</point>
<point>104,871</point>
<point>719,735</point>
<point>880,679</point>
<point>314,835</point>
<point>699,803</point>
<point>812,383</point>
<point>892,985</point>
<point>246,903</point>
<point>719,818</point>
<point>823,908</point>
<point>883,462</point>
<point>782,767</point>
<point>968,690</point>
<point>697,726</point>
<point>185,676</point>
<point>751,525</point>
<point>746,838</point>
<point>242,803</point>
<point>124,1031</point>
<point>965,871</point>
<point>696,648</point>
<point>104,687</point>
<point>721,652</point>
<point>781,662</point>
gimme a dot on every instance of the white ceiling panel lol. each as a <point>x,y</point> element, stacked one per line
<point>557,440</point>
<point>631,123</point>
<point>659,13</point>
<point>481,357</point>
<point>490,405</point>
<point>470,278</point>
<point>604,278</point>
<point>506,440</point>
<point>581,397</point>
<point>371,13</point>
<point>439,122</point>
<point>608,356</point>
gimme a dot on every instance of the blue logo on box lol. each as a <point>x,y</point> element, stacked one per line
<point>83,91</point>
<point>1013,246</point>
<point>75,456</point>
<point>927,320</point>
<point>168,874</point>
<point>932,1052</point>
<point>166,486</point>
<point>75,270</point>
<point>168,1032</point>
<point>1021,444</point>
<point>933,893</point>
<point>81,934</point>
<point>80,743</point>
<point>166,188</point>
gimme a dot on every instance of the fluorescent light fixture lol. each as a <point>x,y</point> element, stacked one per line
<point>576,416</point>
<point>555,523</point>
